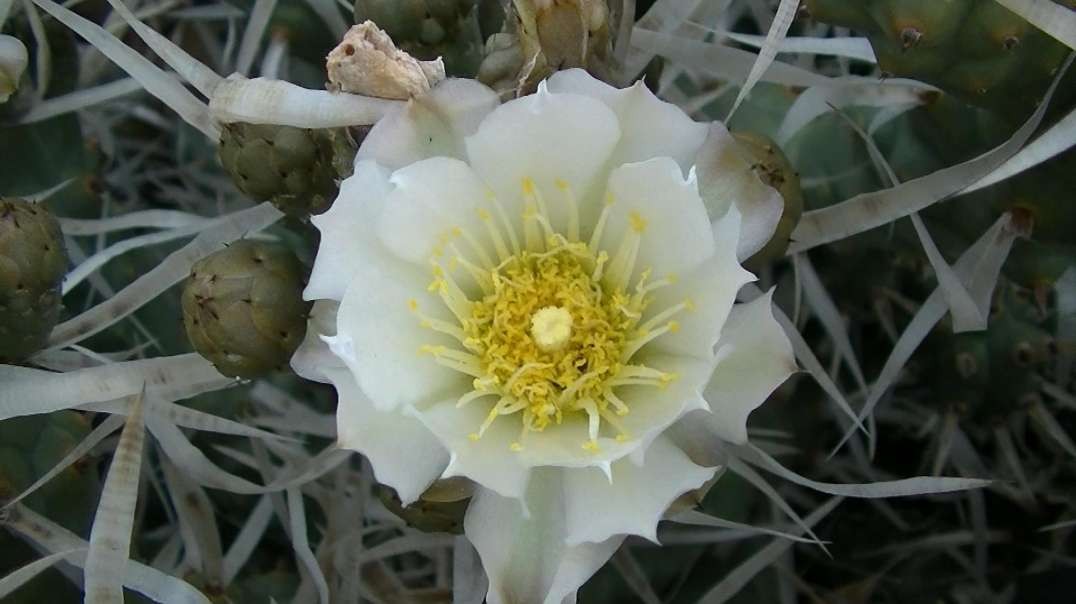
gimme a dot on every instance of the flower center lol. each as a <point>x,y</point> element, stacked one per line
<point>551,328</point>
<point>554,324</point>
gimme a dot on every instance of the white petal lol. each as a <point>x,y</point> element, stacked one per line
<point>488,461</point>
<point>403,453</point>
<point>649,126</point>
<point>710,289</point>
<point>432,199</point>
<point>548,138</point>
<point>693,435</point>
<point>313,357</point>
<point>491,461</point>
<point>429,126</point>
<point>654,196</point>
<point>379,336</point>
<point>725,177</point>
<point>634,501</point>
<point>652,410</point>
<point>347,231</point>
<point>756,357</point>
<point>525,554</point>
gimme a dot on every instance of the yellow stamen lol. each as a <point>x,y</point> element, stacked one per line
<point>599,228</point>
<point>554,327</point>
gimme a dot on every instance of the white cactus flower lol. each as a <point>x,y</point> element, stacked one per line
<point>539,296</point>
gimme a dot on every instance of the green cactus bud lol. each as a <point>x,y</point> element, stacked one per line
<point>243,308</point>
<point>401,19</point>
<point>428,29</point>
<point>291,167</point>
<point>32,266</point>
<point>774,169</point>
<point>345,142</point>
<point>439,510</point>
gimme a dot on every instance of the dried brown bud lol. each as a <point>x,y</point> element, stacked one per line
<point>367,62</point>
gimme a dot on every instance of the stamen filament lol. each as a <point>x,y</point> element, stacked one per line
<point>471,396</point>
<point>443,327</point>
<point>480,250</point>
<point>593,420</point>
<point>620,406</point>
<point>461,361</point>
<point>614,421</point>
<point>599,228</point>
<point>494,234</point>
<point>645,337</point>
<point>451,294</point>
<point>663,316</point>
<point>624,261</point>
<point>505,222</point>
<point>573,208</point>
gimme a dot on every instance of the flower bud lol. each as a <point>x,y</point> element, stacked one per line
<point>13,59</point>
<point>773,169</point>
<point>32,266</point>
<point>294,168</point>
<point>243,308</point>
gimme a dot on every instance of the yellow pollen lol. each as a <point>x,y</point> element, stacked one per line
<point>551,328</point>
<point>638,223</point>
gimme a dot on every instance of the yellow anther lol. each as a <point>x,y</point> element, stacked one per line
<point>638,223</point>
<point>552,329</point>
<point>561,183</point>
<point>689,304</point>
<point>528,185</point>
